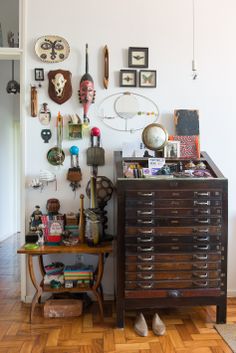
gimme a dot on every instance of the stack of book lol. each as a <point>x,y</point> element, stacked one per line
<point>78,275</point>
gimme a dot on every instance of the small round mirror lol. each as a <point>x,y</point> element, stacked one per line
<point>155,136</point>
<point>126,106</point>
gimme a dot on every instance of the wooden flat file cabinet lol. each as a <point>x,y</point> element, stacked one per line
<point>171,246</point>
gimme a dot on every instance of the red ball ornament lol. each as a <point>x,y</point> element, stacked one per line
<point>95,131</point>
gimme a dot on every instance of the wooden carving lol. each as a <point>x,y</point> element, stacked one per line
<point>60,87</point>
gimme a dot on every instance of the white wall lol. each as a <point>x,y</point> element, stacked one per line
<point>166,28</point>
<point>8,120</point>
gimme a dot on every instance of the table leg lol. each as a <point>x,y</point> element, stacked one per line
<point>42,270</point>
<point>38,288</point>
<point>97,285</point>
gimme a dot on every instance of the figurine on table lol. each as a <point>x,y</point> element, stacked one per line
<point>36,219</point>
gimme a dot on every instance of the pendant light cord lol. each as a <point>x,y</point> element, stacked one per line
<point>193,41</point>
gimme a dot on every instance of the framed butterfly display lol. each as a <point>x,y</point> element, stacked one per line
<point>147,78</point>
<point>137,57</point>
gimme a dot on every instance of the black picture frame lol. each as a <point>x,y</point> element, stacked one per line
<point>137,57</point>
<point>147,78</point>
<point>39,74</point>
<point>128,78</point>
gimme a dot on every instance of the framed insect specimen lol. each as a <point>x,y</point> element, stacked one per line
<point>128,78</point>
<point>137,57</point>
<point>147,78</point>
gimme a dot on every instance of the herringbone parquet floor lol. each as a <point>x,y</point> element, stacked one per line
<point>188,329</point>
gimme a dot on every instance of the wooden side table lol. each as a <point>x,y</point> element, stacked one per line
<point>96,288</point>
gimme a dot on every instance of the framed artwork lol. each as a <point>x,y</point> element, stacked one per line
<point>128,78</point>
<point>189,146</point>
<point>186,122</point>
<point>172,149</point>
<point>39,74</point>
<point>137,57</point>
<point>147,78</point>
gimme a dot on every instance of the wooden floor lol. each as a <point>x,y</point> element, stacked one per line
<point>188,329</point>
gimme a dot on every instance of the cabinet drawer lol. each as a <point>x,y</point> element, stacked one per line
<point>147,285</point>
<point>172,293</point>
<point>176,266</point>
<point>160,248</point>
<point>171,275</point>
<point>174,194</point>
<point>173,257</point>
<point>187,212</point>
<point>170,203</point>
<point>159,221</point>
<point>200,230</point>
<point>159,239</point>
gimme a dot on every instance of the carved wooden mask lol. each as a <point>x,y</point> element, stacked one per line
<point>60,87</point>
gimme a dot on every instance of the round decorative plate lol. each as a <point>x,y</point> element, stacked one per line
<point>56,156</point>
<point>52,49</point>
<point>155,136</point>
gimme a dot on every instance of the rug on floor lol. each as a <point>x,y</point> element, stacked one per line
<point>228,333</point>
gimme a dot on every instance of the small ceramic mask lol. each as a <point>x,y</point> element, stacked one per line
<point>46,134</point>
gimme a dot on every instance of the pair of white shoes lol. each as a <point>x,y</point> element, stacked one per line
<point>141,328</point>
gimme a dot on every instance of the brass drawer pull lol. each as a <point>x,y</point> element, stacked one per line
<point>146,203</point>
<point>206,230</point>
<point>202,203</point>
<point>145,194</point>
<point>199,275</point>
<point>174,293</point>
<point>145,240</point>
<point>200,266</point>
<point>145,268</point>
<point>174,221</point>
<point>145,286</point>
<point>200,257</point>
<point>175,194</point>
<point>200,283</point>
<point>145,222</point>
<point>197,194</point>
<point>175,203</point>
<point>145,213</point>
<point>174,247</point>
<point>202,238</point>
<point>201,247</point>
<point>203,221</point>
<point>142,231</point>
<point>207,211</point>
<point>145,277</point>
<point>151,248</point>
<point>146,258</point>
<point>174,212</point>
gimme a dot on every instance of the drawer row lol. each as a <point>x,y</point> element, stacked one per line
<point>160,239</point>
<point>164,248</point>
<point>172,221</point>
<point>172,266</point>
<point>173,258</point>
<point>171,275</point>
<point>169,231</point>
<point>186,212</point>
<point>173,194</point>
<point>170,203</point>
<point>147,285</point>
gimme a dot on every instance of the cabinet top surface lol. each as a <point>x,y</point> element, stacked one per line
<point>143,163</point>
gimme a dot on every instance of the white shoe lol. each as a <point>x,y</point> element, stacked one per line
<point>140,326</point>
<point>158,326</point>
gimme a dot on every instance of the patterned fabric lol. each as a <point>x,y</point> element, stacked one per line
<point>189,146</point>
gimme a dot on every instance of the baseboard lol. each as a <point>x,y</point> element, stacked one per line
<point>231,293</point>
